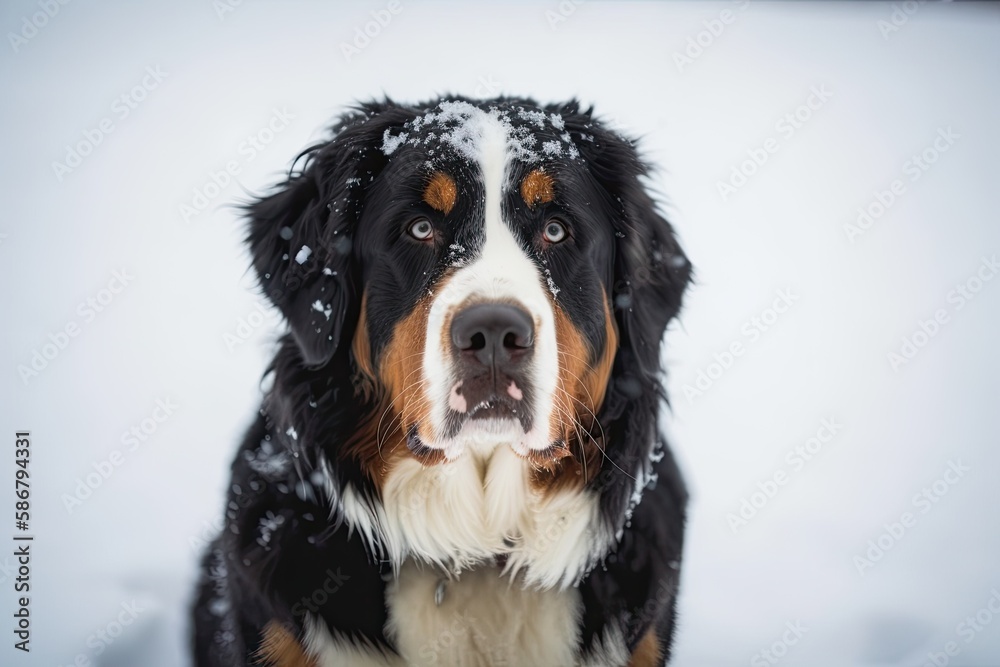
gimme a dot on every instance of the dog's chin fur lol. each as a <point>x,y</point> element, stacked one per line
<point>482,435</point>
<point>487,434</point>
<point>480,507</point>
<point>378,516</point>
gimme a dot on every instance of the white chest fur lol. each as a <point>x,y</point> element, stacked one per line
<point>479,619</point>
<point>463,512</point>
<point>457,517</point>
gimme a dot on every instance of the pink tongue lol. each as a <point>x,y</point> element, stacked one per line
<point>456,401</point>
<point>514,392</point>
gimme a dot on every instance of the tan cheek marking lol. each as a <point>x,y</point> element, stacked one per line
<point>397,391</point>
<point>441,192</point>
<point>580,392</point>
<point>401,370</point>
<point>279,648</point>
<point>596,376</point>
<point>381,438</point>
<point>537,188</point>
<point>647,653</point>
<point>573,355</point>
<point>545,463</point>
<point>361,347</point>
<point>583,381</point>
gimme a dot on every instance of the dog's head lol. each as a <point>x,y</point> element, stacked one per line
<point>492,272</point>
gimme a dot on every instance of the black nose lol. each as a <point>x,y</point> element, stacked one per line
<point>493,334</point>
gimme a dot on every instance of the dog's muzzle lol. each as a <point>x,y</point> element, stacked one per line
<point>492,345</point>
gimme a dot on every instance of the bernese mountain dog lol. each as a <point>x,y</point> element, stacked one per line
<point>458,459</point>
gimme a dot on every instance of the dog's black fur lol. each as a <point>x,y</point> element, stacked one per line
<point>280,543</point>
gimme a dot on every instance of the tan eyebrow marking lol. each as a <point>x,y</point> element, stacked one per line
<point>441,192</point>
<point>537,188</point>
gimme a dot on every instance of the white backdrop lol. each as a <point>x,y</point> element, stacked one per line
<point>773,124</point>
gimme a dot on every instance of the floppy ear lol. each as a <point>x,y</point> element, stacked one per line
<point>301,235</point>
<point>650,271</point>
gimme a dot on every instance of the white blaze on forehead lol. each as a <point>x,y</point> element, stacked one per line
<point>502,271</point>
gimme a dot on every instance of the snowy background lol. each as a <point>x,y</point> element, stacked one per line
<point>884,83</point>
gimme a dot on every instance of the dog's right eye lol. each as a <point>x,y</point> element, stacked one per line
<point>421,229</point>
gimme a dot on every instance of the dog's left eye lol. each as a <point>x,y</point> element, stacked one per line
<point>421,229</point>
<point>555,231</point>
